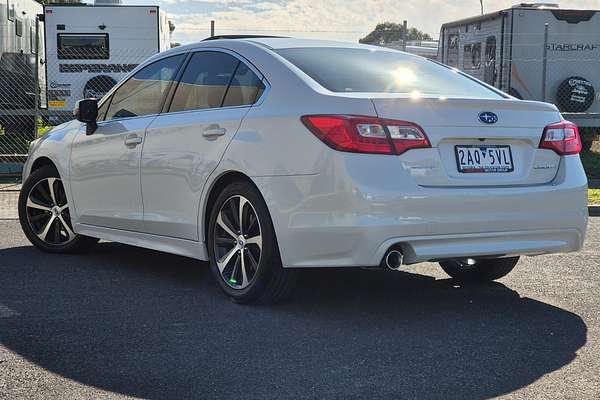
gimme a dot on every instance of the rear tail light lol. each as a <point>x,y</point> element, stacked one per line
<point>562,137</point>
<point>359,134</point>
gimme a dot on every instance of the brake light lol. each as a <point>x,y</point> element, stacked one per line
<point>562,137</point>
<point>358,134</point>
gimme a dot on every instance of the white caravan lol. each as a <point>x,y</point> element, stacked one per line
<point>506,49</point>
<point>89,48</point>
<point>18,65</point>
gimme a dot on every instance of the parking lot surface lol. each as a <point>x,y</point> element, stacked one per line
<point>124,322</point>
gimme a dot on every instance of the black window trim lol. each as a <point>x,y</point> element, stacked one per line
<point>240,59</point>
<point>109,96</point>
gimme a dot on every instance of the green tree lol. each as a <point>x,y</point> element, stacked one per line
<point>387,32</point>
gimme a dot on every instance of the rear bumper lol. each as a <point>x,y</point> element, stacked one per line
<point>351,214</point>
<point>517,243</point>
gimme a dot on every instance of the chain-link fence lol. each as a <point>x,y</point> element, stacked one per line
<point>19,108</point>
<point>30,105</point>
<point>538,61</point>
<point>38,91</point>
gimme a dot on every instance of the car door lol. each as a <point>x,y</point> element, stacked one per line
<point>105,166</point>
<point>184,145</point>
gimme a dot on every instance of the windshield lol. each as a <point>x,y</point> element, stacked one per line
<point>382,71</point>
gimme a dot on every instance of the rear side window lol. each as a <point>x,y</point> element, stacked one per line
<point>245,87</point>
<point>83,47</point>
<point>144,93</point>
<point>204,82</point>
<point>381,71</point>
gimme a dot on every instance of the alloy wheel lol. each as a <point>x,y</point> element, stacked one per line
<point>48,212</point>
<point>237,242</point>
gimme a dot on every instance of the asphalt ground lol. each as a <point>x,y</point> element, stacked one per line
<point>123,322</point>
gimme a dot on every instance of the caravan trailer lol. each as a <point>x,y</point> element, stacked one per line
<point>89,48</point>
<point>21,75</point>
<point>533,52</point>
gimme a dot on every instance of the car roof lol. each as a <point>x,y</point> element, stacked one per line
<point>286,43</point>
<point>268,42</point>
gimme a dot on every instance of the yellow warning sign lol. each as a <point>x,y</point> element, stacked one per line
<point>57,103</point>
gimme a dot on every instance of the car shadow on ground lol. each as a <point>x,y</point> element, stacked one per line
<point>152,325</point>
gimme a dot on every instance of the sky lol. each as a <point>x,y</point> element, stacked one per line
<point>345,20</point>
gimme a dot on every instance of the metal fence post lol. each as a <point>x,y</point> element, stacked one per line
<point>545,62</point>
<point>404,34</point>
<point>36,79</point>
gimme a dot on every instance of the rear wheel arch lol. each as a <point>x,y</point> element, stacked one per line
<point>217,187</point>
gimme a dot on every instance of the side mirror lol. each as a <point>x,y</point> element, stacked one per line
<point>86,111</point>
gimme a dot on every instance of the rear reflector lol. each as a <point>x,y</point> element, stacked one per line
<point>358,134</point>
<point>562,137</point>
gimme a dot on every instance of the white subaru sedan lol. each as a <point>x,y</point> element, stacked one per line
<point>265,155</point>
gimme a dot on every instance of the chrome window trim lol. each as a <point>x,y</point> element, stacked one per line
<point>190,52</point>
<point>241,59</point>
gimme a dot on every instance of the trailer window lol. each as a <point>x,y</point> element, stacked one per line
<point>452,50</point>
<point>19,27</point>
<point>83,47</point>
<point>472,56</point>
<point>10,9</point>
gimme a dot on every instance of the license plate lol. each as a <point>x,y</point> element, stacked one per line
<point>482,159</point>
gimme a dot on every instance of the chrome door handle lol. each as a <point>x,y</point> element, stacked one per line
<point>133,141</point>
<point>213,132</point>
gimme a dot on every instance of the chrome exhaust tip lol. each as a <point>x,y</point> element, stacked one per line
<point>394,260</point>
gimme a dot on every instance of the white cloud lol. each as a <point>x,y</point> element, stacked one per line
<point>331,19</point>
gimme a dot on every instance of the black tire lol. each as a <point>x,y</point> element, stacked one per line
<point>483,270</point>
<point>270,282</point>
<point>74,243</point>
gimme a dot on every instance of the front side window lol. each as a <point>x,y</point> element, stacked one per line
<point>204,82</point>
<point>144,93</point>
<point>366,70</point>
<point>102,110</point>
<point>83,47</point>
<point>472,56</point>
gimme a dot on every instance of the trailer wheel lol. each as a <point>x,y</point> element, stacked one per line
<point>575,94</point>
<point>98,86</point>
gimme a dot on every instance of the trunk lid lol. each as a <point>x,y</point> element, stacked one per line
<point>458,136</point>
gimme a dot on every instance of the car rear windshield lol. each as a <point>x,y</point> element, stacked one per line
<point>381,71</point>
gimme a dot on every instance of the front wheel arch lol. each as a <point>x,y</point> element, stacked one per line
<point>41,162</point>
